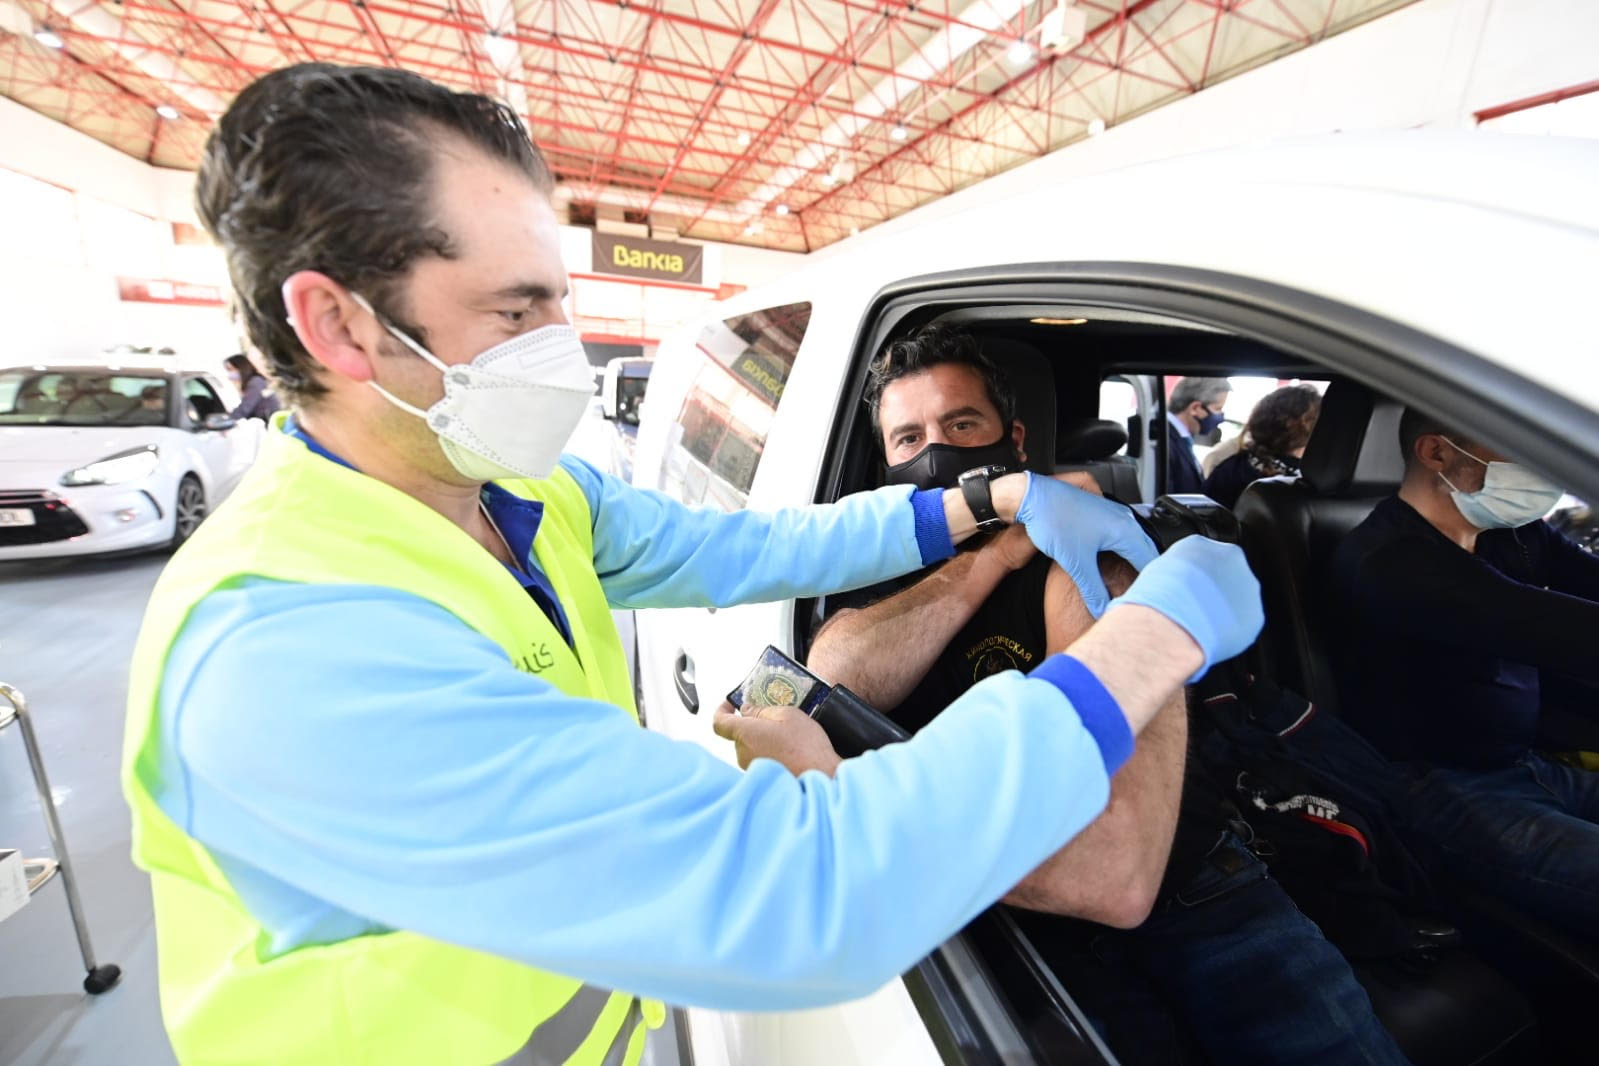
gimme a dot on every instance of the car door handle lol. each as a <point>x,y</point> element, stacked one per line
<point>683,679</point>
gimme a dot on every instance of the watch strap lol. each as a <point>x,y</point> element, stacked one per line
<point>979,497</point>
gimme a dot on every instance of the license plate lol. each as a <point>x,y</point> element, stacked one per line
<point>16,516</point>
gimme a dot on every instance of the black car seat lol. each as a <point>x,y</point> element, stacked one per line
<point>1033,380</point>
<point>1091,445</point>
<point>1291,526</point>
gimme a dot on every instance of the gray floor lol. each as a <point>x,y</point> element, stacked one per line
<point>66,633</point>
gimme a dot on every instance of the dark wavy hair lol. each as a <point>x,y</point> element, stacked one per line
<point>329,168</point>
<point>931,346</point>
<point>1281,422</point>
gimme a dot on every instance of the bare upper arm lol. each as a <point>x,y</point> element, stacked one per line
<point>1066,617</point>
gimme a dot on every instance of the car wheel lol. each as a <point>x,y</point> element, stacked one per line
<point>189,509</point>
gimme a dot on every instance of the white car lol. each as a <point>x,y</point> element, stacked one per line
<point>112,458</point>
<point>1455,272</point>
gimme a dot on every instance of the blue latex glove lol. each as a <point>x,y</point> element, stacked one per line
<point>1207,588</point>
<point>1072,527</point>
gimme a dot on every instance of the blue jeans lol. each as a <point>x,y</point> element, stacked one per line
<point>1528,834</point>
<point>1229,964</point>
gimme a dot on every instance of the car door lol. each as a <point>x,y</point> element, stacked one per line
<point>225,453</point>
<point>1022,996</point>
<point>718,389</point>
<point>716,392</point>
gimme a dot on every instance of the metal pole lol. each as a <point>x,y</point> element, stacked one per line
<point>57,841</point>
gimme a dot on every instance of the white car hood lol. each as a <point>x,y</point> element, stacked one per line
<point>61,448</point>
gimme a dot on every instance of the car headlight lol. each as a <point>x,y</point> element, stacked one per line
<point>115,469</point>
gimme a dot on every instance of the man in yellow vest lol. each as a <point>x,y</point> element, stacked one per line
<point>381,752</point>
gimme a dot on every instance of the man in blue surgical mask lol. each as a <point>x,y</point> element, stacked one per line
<point>1468,652</point>
<point>1194,409</point>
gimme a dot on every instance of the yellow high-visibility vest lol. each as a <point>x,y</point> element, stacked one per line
<point>393,999</point>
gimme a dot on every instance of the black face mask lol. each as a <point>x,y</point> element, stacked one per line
<point>939,466</point>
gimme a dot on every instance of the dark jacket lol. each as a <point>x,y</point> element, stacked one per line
<point>1449,656</point>
<point>257,400</point>
<point>1182,468</point>
<point>1234,473</point>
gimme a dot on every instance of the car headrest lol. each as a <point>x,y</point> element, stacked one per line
<point>1089,440</point>
<point>1033,379</point>
<point>1354,449</point>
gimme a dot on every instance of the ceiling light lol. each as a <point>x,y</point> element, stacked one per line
<point>167,111</point>
<point>854,231</point>
<point>1096,127</point>
<point>1062,29</point>
<point>899,132</point>
<point>753,228</point>
<point>782,209</point>
<point>503,51</point>
<point>1057,321</point>
<point>828,181</point>
<point>48,38</point>
<point>744,139</point>
<point>1020,52</point>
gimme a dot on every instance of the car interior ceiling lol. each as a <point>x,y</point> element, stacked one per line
<point>1288,528</point>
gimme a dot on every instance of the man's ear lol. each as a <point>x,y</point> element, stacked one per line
<point>1018,434</point>
<point>1431,451</point>
<point>339,333</point>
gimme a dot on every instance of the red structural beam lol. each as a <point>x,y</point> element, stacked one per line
<point>917,138</point>
<point>757,23</point>
<point>1553,96</point>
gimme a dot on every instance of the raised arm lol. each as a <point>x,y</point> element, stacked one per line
<point>651,551</point>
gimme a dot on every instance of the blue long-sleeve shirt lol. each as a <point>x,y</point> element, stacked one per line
<point>399,773</point>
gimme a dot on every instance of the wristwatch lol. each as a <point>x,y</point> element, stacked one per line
<point>974,485</point>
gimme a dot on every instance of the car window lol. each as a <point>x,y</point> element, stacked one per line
<point>1118,402</point>
<point>1578,520</point>
<point>87,397</point>
<point>200,400</point>
<point>629,394</point>
<point>1247,391</point>
<point>720,432</point>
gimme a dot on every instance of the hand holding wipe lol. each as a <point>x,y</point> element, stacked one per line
<point>1072,527</point>
<point>1206,588</point>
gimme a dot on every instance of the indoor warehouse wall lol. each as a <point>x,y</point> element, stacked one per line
<point>78,215</point>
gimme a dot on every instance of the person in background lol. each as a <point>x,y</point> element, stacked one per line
<point>1228,448</point>
<point>1195,407</point>
<point>152,407</point>
<point>1465,620</point>
<point>1272,442</point>
<point>256,398</point>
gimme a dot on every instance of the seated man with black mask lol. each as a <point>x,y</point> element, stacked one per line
<point>1202,958</point>
<point>1466,621</point>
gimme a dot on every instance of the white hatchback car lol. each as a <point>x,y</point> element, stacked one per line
<point>112,458</point>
